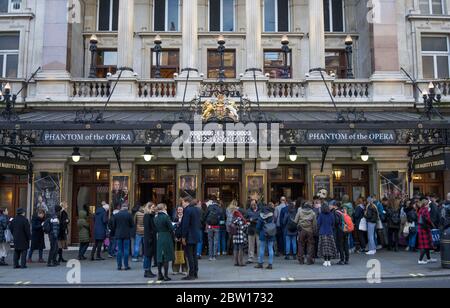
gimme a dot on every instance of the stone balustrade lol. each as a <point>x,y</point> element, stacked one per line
<point>350,89</point>
<point>286,89</point>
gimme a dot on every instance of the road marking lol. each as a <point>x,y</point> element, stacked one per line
<point>283,279</point>
<point>291,279</point>
<point>421,275</point>
<point>26,282</point>
<point>159,282</point>
<point>18,283</point>
<point>150,281</point>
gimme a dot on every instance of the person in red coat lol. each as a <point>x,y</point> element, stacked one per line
<point>424,232</point>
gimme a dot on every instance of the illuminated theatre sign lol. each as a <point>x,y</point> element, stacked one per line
<point>13,166</point>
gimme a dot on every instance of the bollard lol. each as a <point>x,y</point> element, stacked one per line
<point>445,249</point>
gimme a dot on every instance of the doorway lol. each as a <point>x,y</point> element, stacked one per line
<point>90,188</point>
<point>223,182</point>
<point>287,181</point>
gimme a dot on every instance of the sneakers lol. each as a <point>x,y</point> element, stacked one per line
<point>432,261</point>
<point>325,263</point>
<point>135,260</point>
<point>422,262</point>
<point>371,252</point>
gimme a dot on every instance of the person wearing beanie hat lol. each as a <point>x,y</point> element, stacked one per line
<point>20,229</point>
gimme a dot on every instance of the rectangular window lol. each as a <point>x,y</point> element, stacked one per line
<point>170,63</point>
<point>9,55</point>
<point>108,15</point>
<point>276,15</point>
<point>431,7</point>
<point>166,15</point>
<point>435,57</point>
<point>336,63</point>
<point>229,63</point>
<point>274,63</point>
<point>334,15</point>
<point>8,6</point>
<point>106,62</point>
<point>221,15</point>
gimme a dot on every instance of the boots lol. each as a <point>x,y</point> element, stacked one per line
<point>3,262</point>
<point>149,274</point>
<point>60,254</point>
<point>166,272</point>
<point>160,275</point>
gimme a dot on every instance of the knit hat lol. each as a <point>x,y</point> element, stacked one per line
<point>20,211</point>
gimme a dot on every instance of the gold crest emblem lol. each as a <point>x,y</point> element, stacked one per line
<point>220,107</point>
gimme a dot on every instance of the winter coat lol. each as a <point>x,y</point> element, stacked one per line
<point>20,229</point>
<point>51,227</point>
<point>239,237</point>
<point>277,213</point>
<point>435,214</point>
<point>3,227</point>
<point>306,220</point>
<point>252,217</point>
<point>424,233</point>
<point>37,233</point>
<point>371,214</point>
<point>100,224</point>
<point>63,226</point>
<point>358,215</point>
<point>411,215</point>
<point>390,214</point>
<point>149,235</point>
<point>191,224</point>
<point>214,208</point>
<point>84,228</point>
<point>122,225</point>
<point>165,250</point>
<point>260,228</point>
<point>325,223</point>
<point>291,214</point>
<point>139,222</point>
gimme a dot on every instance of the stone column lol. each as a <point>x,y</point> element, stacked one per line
<point>125,38</point>
<point>253,35</point>
<point>316,35</point>
<point>189,52</point>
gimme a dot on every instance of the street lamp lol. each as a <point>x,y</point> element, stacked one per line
<point>76,156</point>
<point>221,52</point>
<point>364,154</point>
<point>148,155</point>
<point>285,49</point>
<point>429,98</point>
<point>10,101</point>
<point>349,52</point>
<point>93,49</point>
<point>157,50</point>
<point>293,155</point>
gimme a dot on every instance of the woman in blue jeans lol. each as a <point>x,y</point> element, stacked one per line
<point>266,218</point>
<point>372,216</point>
<point>290,232</point>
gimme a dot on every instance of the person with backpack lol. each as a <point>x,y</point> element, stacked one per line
<point>267,235</point>
<point>347,206</point>
<point>393,223</point>
<point>327,244</point>
<point>290,231</point>
<point>424,229</point>
<point>4,245</point>
<point>240,224</point>
<point>306,221</point>
<point>37,235</point>
<point>252,217</point>
<point>20,229</point>
<point>84,233</point>
<point>51,227</point>
<point>412,220</point>
<point>213,217</point>
<point>344,229</point>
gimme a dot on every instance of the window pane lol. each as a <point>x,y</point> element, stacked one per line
<point>6,199</point>
<point>442,65</point>
<point>338,16</point>
<point>103,15</point>
<point>428,67</point>
<point>9,41</point>
<point>228,15</point>
<point>115,21</point>
<point>3,6</point>
<point>437,7</point>
<point>283,15</point>
<point>214,15</point>
<point>332,62</point>
<point>434,44</point>
<point>172,15</point>
<point>12,62</point>
<point>269,15</point>
<point>110,58</point>
<point>160,18</point>
<point>214,64</point>
<point>228,59</point>
<point>326,13</point>
<point>424,6</point>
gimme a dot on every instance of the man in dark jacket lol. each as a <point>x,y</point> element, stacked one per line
<point>214,215</point>
<point>190,225</point>
<point>122,227</point>
<point>20,229</point>
<point>52,227</point>
<point>100,228</point>
<point>252,217</point>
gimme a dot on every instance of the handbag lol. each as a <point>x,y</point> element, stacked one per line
<point>436,235</point>
<point>8,236</point>
<point>362,224</point>
<point>179,256</point>
<point>406,229</point>
<point>380,224</point>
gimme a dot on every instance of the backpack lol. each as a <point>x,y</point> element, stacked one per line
<point>270,229</point>
<point>213,218</point>
<point>347,223</point>
<point>47,227</point>
<point>291,225</point>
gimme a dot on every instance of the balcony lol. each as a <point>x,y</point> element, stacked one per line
<point>442,84</point>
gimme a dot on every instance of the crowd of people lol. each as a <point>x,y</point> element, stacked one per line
<point>303,230</point>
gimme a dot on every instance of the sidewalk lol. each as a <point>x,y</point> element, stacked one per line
<point>103,273</point>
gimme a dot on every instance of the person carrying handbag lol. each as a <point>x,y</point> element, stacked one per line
<point>372,217</point>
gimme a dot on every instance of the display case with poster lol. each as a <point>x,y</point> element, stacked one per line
<point>187,185</point>
<point>393,184</point>
<point>322,185</point>
<point>47,188</point>
<point>120,190</point>
<point>255,187</point>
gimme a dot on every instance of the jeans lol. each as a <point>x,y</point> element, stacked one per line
<point>112,246</point>
<point>123,252</point>
<point>291,241</point>
<point>53,253</point>
<point>200,244</point>
<point>30,253</point>
<point>213,242</point>
<point>412,240</point>
<point>280,240</point>
<point>262,250</point>
<point>83,249</point>
<point>253,242</point>
<point>222,247</point>
<point>371,229</point>
<point>146,263</point>
<point>137,246</point>
<point>351,241</point>
<point>192,259</point>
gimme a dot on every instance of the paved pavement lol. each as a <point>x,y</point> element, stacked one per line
<point>222,272</point>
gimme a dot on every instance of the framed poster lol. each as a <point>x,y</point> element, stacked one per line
<point>255,186</point>
<point>393,184</point>
<point>120,190</point>
<point>47,189</point>
<point>322,185</point>
<point>187,185</point>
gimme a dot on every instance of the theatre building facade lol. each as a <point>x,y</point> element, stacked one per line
<point>132,101</point>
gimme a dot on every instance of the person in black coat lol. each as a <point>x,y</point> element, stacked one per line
<point>190,225</point>
<point>20,229</point>
<point>149,239</point>
<point>100,228</point>
<point>51,227</point>
<point>122,226</point>
<point>63,228</point>
<point>37,235</point>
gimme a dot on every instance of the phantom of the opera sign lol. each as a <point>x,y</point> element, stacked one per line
<point>88,137</point>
